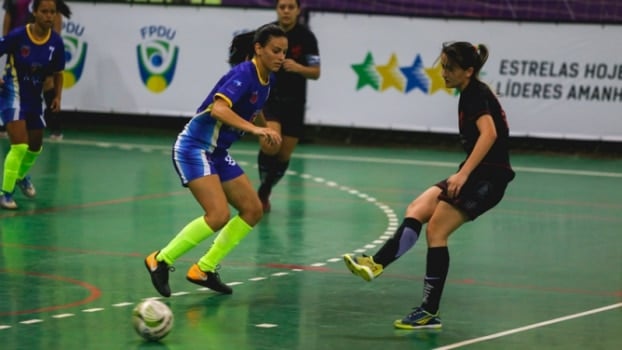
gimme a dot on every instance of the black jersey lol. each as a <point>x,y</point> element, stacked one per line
<point>303,48</point>
<point>475,101</point>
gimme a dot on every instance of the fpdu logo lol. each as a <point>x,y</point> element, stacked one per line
<point>157,57</point>
<point>392,75</point>
<point>75,53</point>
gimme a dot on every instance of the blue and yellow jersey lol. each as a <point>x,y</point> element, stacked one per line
<point>29,62</point>
<point>245,93</point>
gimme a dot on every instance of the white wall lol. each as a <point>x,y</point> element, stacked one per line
<point>573,66</point>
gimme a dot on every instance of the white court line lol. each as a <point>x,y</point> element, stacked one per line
<point>526,328</point>
<point>555,171</point>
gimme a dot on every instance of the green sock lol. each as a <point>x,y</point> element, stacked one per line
<point>233,232</point>
<point>27,162</point>
<point>191,235</point>
<point>12,163</point>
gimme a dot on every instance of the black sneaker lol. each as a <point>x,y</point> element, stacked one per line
<point>159,274</point>
<point>207,279</point>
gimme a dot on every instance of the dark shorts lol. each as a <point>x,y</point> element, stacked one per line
<point>291,116</point>
<point>482,191</point>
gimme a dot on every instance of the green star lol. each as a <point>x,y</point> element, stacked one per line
<point>366,73</point>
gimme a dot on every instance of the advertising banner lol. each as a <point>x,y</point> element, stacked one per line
<point>382,72</point>
<point>148,59</point>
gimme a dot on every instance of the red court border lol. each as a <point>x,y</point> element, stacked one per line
<point>94,294</point>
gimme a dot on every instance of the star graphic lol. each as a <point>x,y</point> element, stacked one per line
<point>366,73</point>
<point>436,77</point>
<point>415,77</point>
<point>390,74</point>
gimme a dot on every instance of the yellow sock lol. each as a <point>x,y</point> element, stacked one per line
<point>12,162</point>
<point>191,235</point>
<point>233,232</point>
<point>27,162</point>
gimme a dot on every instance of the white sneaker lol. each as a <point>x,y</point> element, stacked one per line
<point>28,189</point>
<point>56,137</point>
<point>6,201</point>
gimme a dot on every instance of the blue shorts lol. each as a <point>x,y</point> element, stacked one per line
<point>9,110</point>
<point>34,121</point>
<point>194,162</point>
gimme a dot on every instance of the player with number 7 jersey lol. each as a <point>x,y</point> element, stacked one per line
<point>31,59</point>
<point>34,52</point>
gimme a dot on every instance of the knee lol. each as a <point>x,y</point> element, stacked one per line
<point>269,149</point>
<point>252,214</point>
<point>434,236</point>
<point>217,219</point>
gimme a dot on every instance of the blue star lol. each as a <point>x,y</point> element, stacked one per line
<point>415,77</point>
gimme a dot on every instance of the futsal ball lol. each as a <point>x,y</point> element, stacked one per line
<point>152,319</point>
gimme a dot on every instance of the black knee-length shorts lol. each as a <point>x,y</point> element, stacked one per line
<point>483,190</point>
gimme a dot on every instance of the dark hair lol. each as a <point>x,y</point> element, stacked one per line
<point>61,6</point>
<point>242,46</point>
<point>267,31</point>
<point>466,55</point>
<point>276,3</point>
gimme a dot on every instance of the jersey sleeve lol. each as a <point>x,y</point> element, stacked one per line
<point>234,88</point>
<point>7,5</point>
<point>312,54</point>
<point>7,42</point>
<point>58,60</point>
<point>477,105</point>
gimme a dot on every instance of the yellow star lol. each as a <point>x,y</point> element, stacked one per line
<point>436,79</point>
<point>391,75</point>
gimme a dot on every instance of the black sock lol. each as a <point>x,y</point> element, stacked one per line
<point>51,118</point>
<point>403,239</point>
<point>264,163</point>
<point>271,170</point>
<point>437,266</point>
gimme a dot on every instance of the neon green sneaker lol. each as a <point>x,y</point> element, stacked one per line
<point>363,266</point>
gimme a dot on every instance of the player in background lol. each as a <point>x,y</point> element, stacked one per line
<point>285,109</point>
<point>202,161</point>
<point>20,96</point>
<point>16,14</point>
<point>477,186</point>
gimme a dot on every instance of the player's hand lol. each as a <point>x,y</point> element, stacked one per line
<point>55,105</point>
<point>454,184</point>
<point>271,136</point>
<point>290,65</point>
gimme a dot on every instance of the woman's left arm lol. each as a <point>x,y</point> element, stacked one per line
<point>58,91</point>
<point>487,137</point>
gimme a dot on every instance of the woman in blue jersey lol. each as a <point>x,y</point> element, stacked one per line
<point>476,187</point>
<point>201,158</point>
<point>17,13</point>
<point>34,52</point>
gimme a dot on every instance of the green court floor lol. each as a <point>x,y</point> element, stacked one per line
<point>543,270</point>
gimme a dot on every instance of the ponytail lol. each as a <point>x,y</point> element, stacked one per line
<point>482,53</point>
<point>467,55</point>
<point>63,8</point>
